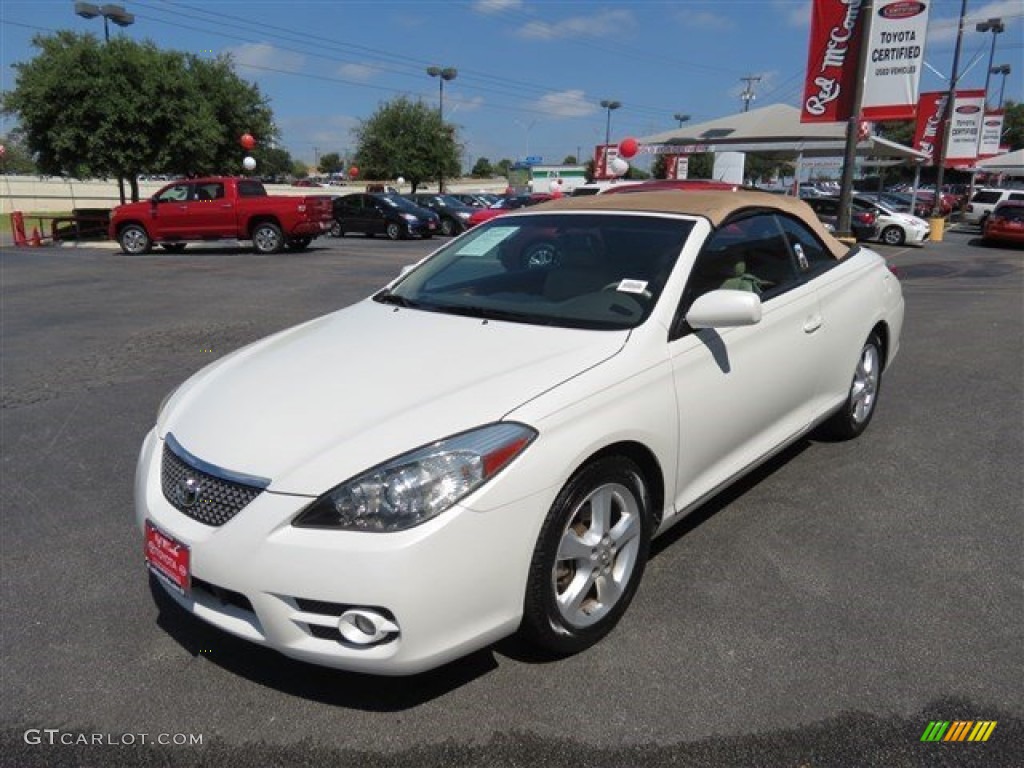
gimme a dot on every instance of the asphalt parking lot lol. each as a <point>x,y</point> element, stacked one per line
<point>820,613</point>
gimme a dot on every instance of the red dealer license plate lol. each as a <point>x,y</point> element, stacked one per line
<point>168,558</point>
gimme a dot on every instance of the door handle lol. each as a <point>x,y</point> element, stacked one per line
<point>225,205</point>
<point>812,323</point>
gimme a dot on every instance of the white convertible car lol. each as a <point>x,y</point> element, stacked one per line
<point>489,444</point>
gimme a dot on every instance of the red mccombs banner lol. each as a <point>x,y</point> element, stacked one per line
<point>964,131</point>
<point>895,37</point>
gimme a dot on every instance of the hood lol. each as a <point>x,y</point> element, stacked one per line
<point>313,405</point>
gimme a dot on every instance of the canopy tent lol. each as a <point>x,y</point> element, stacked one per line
<point>1011,164</point>
<point>775,130</point>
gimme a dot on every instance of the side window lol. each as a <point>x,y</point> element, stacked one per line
<point>1016,196</point>
<point>745,254</point>
<point>812,257</point>
<point>179,193</point>
<point>209,191</point>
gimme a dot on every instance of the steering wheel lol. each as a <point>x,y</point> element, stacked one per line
<point>645,294</point>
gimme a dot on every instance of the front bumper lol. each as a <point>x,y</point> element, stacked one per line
<point>453,584</point>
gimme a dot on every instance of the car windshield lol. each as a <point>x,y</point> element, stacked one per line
<point>598,271</point>
<point>397,201</point>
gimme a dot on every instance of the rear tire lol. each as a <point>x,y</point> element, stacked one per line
<point>267,238</point>
<point>855,415</point>
<point>589,557</point>
<point>336,229</point>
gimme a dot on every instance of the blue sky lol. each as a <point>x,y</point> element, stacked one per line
<point>531,74</point>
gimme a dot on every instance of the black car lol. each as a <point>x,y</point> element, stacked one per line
<point>863,222</point>
<point>377,214</point>
<point>476,199</point>
<point>454,214</point>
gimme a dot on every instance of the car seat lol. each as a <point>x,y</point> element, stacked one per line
<point>579,270</point>
<point>742,281</point>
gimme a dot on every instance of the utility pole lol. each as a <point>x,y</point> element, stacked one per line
<point>316,158</point>
<point>947,110</point>
<point>748,93</point>
<point>843,228</point>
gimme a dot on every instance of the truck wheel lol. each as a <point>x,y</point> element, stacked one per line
<point>299,243</point>
<point>134,240</point>
<point>267,237</point>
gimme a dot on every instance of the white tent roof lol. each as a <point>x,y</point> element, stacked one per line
<point>1012,163</point>
<point>776,129</point>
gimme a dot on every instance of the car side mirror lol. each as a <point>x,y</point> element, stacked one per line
<point>725,308</point>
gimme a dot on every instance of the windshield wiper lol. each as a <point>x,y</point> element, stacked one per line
<point>387,297</point>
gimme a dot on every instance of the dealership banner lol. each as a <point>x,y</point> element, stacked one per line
<point>927,137</point>
<point>965,128</point>
<point>895,58</point>
<point>991,134</point>
<point>830,82</point>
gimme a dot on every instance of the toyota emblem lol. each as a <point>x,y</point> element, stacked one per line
<point>186,492</point>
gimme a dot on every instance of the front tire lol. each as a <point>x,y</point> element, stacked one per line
<point>394,231</point>
<point>267,238</point>
<point>589,558</point>
<point>448,228</point>
<point>134,240</point>
<point>893,235</point>
<point>855,415</point>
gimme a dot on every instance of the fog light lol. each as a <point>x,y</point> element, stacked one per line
<point>365,627</point>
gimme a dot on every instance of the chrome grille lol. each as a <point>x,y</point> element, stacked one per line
<point>200,494</point>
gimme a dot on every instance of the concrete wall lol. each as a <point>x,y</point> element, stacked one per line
<point>42,195</point>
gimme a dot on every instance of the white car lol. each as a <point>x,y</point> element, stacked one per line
<point>894,227</point>
<point>490,443</point>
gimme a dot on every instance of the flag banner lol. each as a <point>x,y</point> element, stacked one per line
<point>830,82</point>
<point>927,138</point>
<point>895,58</point>
<point>965,128</point>
<point>991,134</point>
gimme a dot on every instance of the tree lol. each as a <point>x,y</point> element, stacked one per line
<point>569,160</point>
<point>274,162</point>
<point>406,138</point>
<point>1013,125</point>
<point>16,158</point>
<point>503,167</point>
<point>330,163</point>
<point>482,169</point>
<point>123,108</point>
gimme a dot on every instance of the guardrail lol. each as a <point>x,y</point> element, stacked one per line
<point>82,224</point>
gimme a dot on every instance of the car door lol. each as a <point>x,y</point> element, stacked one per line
<point>170,211</point>
<point>743,391</point>
<point>207,211</point>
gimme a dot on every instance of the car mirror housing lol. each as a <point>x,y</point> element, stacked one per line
<point>725,308</point>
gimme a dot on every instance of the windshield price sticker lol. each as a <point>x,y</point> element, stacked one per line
<point>632,286</point>
<point>487,241</point>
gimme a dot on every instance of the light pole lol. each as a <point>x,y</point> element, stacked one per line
<point>682,118</point>
<point>526,129</point>
<point>1004,70</point>
<point>442,75</point>
<point>996,27</point>
<point>609,105</point>
<point>109,12</point>
<point>121,17</point>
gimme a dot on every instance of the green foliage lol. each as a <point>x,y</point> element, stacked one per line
<point>503,167</point>
<point>17,158</point>
<point>90,109</point>
<point>569,160</point>
<point>659,168</point>
<point>330,162</point>
<point>299,169</point>
<point>406,138</point>
<point>274,161</point>
<point>1013,125</point>
<point>482,169</point>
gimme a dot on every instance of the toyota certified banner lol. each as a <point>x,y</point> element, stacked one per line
<point>895,58</point>
<point>991,134</point>
<point>830,82</point>
<point>965,128</point>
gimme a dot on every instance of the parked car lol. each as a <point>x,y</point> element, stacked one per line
<point>486,445</point>
<point>476,199</point>
<point>894,227</point>
<point>682,185</point>
<point>863,222</point>
<point>985,200</point>
<point>306,183</point>
<point>377,214</point>
<point>453,213</point>
<point>1005,224</point>
<point>219,208</point>
<point>507,204</point>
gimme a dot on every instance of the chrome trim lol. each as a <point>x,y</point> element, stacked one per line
<point>220,473</point>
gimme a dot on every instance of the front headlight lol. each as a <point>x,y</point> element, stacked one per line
<point>463,215</point>
<point>409,217</point>
<point>417,486</point>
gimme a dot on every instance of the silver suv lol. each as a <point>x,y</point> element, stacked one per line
<point>985,200</point>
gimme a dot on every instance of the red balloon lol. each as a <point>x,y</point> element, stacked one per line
<point>247,141</point>
<point>628,147</point>
<point>353,171</point>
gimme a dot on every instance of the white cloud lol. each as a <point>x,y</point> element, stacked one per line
<point>706,20</point>
<point>496,6</point>
<point>358,72</point>
<point>607,24</point>
<point>262,56</point>
<point>796,13</point>
<point>942,29</point>
<point>571,103</point>
<point>461,104</point>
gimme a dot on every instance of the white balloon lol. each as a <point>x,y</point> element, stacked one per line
<point>553,185</point>
<point>400,180</point>
<point>618,166</point>
<point>249,163</point>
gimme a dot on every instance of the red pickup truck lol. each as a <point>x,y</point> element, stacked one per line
<point>220,208</point>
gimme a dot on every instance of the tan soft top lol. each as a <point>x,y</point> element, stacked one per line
<point>713,205</point>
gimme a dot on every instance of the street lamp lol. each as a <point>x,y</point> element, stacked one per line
<point>609,106</point>
<point>109,12</point>
<point>681,118</point>
<point>1004,70</point>
<point>442,75</point>
<point>996,27</point>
